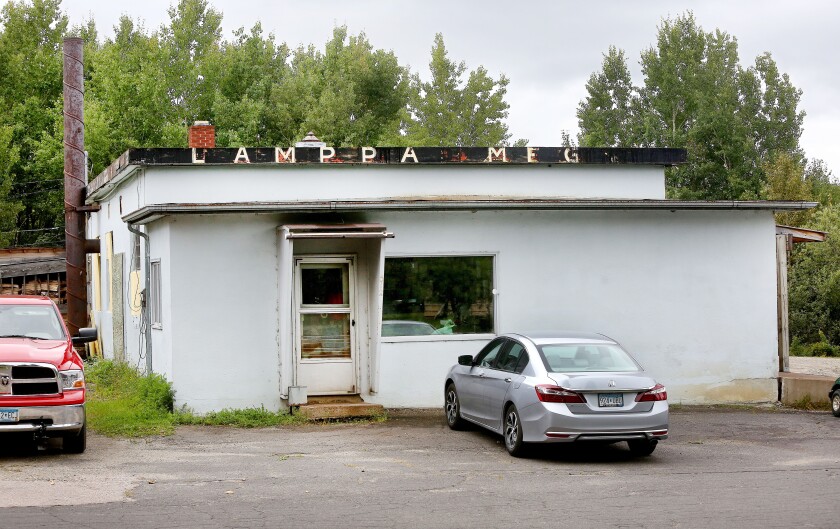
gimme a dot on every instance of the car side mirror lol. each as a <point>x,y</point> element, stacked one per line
<point>465,360</point>
<point>86,334</point>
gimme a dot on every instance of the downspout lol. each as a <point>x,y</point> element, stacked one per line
<point>147,289</point>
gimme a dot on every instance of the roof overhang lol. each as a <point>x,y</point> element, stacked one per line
<point>155,211</point>
<point>799,235</point>
<point>335,231</point>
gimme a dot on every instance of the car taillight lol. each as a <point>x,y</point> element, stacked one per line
<point>655,393</point>
<point>548,393</point>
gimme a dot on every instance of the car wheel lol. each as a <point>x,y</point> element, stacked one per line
<point>835,403</point>
<point>513,432</point>
<point>76,444</point>
<point>642,447</point>
<point>453,409</point>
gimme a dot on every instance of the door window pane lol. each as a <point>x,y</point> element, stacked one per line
<point>488,355</point>
<point>453,295</point>
<point>324,285</point>
<point>325,336</point>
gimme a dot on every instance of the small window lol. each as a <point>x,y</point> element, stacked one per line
<point>446,295</point>
<point>155,305</point>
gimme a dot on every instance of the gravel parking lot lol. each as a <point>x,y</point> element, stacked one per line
<point>720,468</point>
<point>814,365</point>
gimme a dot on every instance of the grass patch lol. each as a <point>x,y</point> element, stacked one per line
<point>122,402</point>
<point>245,418</point>
<point>805,403</point>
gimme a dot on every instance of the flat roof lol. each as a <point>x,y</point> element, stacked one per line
<point>391,156</point>
<point>155,211</point>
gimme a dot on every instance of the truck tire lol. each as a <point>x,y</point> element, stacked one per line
<point>75,444</point>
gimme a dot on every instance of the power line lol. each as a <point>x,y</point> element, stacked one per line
<point>34,229</point>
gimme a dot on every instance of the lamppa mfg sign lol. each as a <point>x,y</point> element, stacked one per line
<point>412,155</point>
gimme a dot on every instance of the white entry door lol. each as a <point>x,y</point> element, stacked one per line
<point>325,325</point>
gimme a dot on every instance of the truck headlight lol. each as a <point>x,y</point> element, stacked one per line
<point>72,379</point>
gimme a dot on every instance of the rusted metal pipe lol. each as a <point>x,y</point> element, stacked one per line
<point>74,183</point>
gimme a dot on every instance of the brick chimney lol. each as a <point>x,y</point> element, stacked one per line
<point>202,135</point>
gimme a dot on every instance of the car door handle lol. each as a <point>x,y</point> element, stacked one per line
<point>481,374</point>
<point>508,380</point>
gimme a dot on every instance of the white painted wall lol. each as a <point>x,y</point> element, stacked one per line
<point>259,183</point>
<point>223,291</point>
<point>691,294</point>
<point>128,197</point>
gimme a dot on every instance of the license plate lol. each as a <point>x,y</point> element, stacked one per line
<point>8,415</point>
<point>610,400</point>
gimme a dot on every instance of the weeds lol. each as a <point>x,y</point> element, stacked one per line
<point>805,403</point>
<point>123,402</point>
<point>245,418</point>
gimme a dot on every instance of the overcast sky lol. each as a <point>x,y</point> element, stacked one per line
<point>548,49</point>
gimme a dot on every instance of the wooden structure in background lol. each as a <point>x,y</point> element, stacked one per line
<point>34,272</point>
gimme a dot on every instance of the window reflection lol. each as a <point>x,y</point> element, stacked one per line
<point>438,295</point>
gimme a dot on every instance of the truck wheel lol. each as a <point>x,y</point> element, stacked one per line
<point>75,444</point>
<point>835,403</point>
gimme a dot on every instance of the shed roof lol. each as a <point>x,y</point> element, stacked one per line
<point>155,211</point>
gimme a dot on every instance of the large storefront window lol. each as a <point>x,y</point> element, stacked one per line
<point>438,295</point>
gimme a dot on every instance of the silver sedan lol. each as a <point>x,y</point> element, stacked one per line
<point>557,388</point>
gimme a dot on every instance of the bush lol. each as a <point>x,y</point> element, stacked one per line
<point>821,348</point>
<point>121,401</point>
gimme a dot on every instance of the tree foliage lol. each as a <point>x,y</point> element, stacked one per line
<point>447,110</point>
<point>143,88</point>
<point>732,120</point>
<point>814,280</point>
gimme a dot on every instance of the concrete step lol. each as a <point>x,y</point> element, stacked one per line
<point>334,399</point>
<point>340,410</point>
<point>796,388</point>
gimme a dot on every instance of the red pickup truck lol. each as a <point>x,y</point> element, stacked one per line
<point>42,382</point>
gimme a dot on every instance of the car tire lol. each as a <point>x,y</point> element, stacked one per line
<point>452,408</point>
<point>835,403</point>
<point>76,444</point>
<point>512,432</point>
<point>642,447</point>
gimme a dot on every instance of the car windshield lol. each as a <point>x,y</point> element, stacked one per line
<point>30,321</point>
<point>571,358</point>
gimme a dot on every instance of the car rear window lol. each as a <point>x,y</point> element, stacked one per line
<point>570,358</point>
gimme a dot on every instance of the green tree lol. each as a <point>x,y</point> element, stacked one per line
<point>448,111</point>
<point>9,209</point>
<point>30,69</point>
<point>351,94</point>
<point>814,282</point>
<point>250,67</point>
<point>191,44</point>
<point>786,181</point>
<point>696,96</point>
<point>607,116</point>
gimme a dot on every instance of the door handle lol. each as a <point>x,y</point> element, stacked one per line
<point>481,374</point>
<point>508,380</point>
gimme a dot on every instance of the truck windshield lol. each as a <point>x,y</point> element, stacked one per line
<point>30,321</point>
